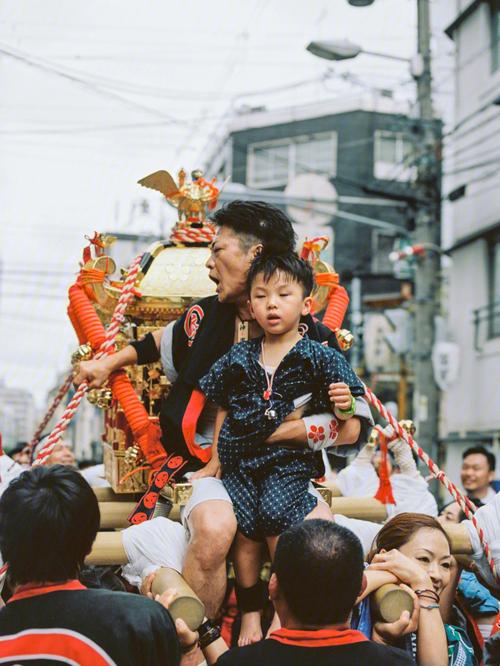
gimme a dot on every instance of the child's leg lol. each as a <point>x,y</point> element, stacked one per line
<point>249,589</point>
<point>247,556</point>
<point>321,510</point>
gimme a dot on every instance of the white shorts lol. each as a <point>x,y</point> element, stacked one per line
<point>156,543</point>
<point>363,529</point>
<point>210,488</point>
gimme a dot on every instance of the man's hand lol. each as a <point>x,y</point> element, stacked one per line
<point>402,567</point>
<point>188,639</point>
<point>95,372</point>
<point>389,633</point>
<point>147,584</point>
<point>340,395</point>
<point>212,468</point>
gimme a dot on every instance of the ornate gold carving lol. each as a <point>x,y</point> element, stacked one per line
<point>373,438</point>
<point>181,492</point>
<point>83,353</point>
<point>326,494</point>
<point>345,338</point>
<point>132,456</point>
<point>115,469</point>
<point>408,425</point>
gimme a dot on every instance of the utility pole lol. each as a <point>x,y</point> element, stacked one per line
<point>427,230</point>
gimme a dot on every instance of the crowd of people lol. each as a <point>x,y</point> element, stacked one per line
<point>272,377</point>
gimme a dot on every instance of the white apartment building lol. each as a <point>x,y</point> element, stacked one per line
<point>17,415</point>
<point>471,405</point>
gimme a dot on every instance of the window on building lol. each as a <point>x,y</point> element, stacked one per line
<point>393,152</point>
<point>494,300</point>
<point>495,34</point>
<point>382,246</point>
<point>275,163</point>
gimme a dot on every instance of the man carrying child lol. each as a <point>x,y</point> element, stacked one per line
<point>257,385</point>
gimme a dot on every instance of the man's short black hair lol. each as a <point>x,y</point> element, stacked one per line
<point>49,517</point>
<point>490,457</point>
<point>288,264</point>
<point>257,222</point>
<point>319,567</point>
<point>18,448</point>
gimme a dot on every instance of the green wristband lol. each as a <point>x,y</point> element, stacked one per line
<point>352,408</point>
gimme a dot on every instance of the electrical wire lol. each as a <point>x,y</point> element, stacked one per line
<point>48,67</point>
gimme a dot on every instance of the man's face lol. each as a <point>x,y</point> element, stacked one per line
<point>450,514</point>
<point>23,457</point>
<point>278,304</point>
<point>61,455</point>
<point>228,265</point>
<point>476,475</point>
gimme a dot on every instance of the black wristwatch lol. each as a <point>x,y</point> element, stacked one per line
<point>208,632</point>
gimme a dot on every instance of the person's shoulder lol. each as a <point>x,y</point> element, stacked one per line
<point>126,603</point>
<point>385,654</point>
<point>242,656</point>
<point>322,349</point>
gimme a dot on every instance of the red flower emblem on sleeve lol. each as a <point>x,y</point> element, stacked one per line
<point>316,433</point>
<point>334,429</point>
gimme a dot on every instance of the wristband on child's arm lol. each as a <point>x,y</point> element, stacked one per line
<point>347,413</point>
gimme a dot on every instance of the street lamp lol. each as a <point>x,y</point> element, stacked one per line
<point>361,3</point>
<point>427,222</point>
<point>343,49</point>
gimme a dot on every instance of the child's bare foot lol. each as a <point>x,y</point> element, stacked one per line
<point>251,630</point>
<point>275,624</point>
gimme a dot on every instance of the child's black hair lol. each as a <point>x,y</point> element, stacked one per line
<point>289,264</point>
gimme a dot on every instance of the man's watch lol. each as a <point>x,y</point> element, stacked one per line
<point>208,632</point>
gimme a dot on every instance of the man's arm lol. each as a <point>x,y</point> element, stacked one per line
<point>295,433</point>
<point>96,372</point>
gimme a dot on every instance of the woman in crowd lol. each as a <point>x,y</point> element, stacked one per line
<point>475,599</point>
<point>413,549</point>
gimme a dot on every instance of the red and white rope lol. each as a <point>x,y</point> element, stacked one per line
<point>50,412</point>
<point>126,295</point>
<point>204,235</point>
<point>464,502</point>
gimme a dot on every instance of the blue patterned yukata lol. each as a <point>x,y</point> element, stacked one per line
<point>268,483</point>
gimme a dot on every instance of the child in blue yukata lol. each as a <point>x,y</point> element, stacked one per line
<point>257,385</point>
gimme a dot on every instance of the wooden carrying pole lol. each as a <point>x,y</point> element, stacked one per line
<point>108,546</point>
<point>389,601</point>
<point>186,604</point>
<point>115,514</point>
<point>107,494</point>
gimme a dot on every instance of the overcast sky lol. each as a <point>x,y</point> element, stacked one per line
<point>96,94</point>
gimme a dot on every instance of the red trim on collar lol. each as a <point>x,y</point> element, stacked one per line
<point>33,591</point>
<point>318,637</point>
<point>189,421</point>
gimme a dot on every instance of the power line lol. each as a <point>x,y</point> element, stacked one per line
<point>48,67</point>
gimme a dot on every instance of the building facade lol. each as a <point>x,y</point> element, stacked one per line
<point>17,415</point>
<point>366,147</point>
<point>471,405</point>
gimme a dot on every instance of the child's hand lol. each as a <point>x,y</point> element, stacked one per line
<point>212,468</point>
<point>340,395</point>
